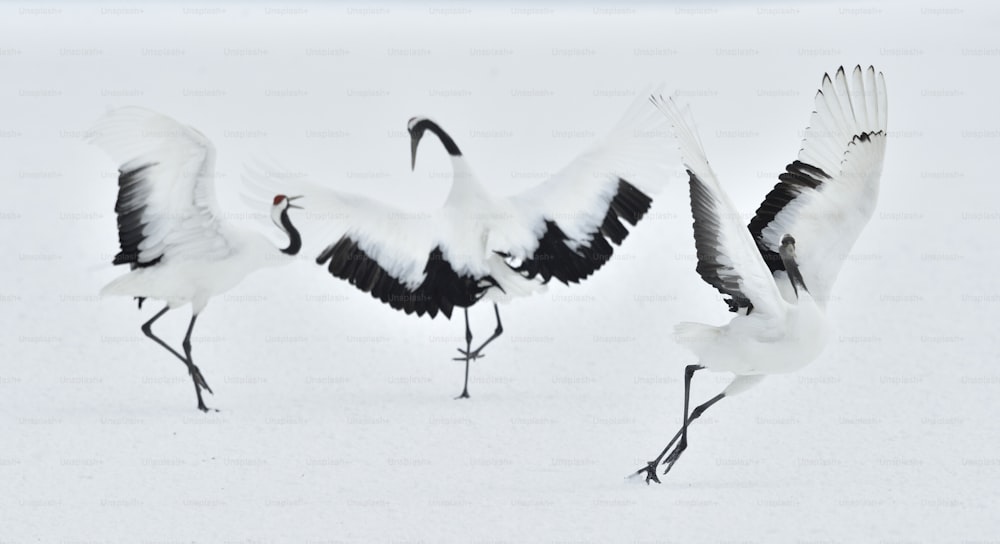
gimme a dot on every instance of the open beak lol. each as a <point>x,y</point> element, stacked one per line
<point>290,199</point>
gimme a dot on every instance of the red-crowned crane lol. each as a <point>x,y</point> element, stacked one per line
<point>778,272</point>
<point>172,234</point>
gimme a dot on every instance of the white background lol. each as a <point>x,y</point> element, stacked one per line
<point>337,422</point>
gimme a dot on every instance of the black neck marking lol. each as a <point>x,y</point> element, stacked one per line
<point>787,253</point>
<point>294,240</point>
<point>426,124</point>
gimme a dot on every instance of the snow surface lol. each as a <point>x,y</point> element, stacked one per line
<point>337,422</point>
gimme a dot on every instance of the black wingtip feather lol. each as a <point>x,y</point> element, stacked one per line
<point>441,291</point>
<point>706,240</point>
<point>554,258</point>
<point>130,207</point>
<point>797,177</point>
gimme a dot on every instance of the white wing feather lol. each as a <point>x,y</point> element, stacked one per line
<point>576,198</point>
<point>846,140</point>
<point>399,241</point>
<point>179,208</point>
<point>638,150</point>
<point>727,253</point>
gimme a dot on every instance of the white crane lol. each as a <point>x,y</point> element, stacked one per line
<point>481,246</point>
<point>778,272</point>
<point>172,235</point>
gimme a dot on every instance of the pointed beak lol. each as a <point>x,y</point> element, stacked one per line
<point>292,198</point>
<point>414,141</point>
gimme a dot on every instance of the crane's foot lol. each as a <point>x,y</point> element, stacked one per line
<point>197,391</point>
<point>469,356</point>
<point>199,380</point>
<point>205,409</point>
<point>649,471</point>
<point>672,458</point>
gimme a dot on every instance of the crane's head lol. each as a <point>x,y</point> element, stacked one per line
<point>788,245</point>
<point>417,126</point>
<point>279,209</point>
<point>787,253</point>
<point>282,202</point>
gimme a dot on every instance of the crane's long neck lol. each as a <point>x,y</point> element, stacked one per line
<point>294,240</point>
<point>446,140</point>
<point>418,126</point>
<point>465,189</point>
<point>787,254</point>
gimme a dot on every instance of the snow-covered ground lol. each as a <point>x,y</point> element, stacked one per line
<point>337,422</point>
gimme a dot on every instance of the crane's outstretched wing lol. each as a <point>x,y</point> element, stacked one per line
<point>728,258</point>
<point>564,228</point>
<point>827,196</point>
<point>397,256</point>
<point>166,205</point>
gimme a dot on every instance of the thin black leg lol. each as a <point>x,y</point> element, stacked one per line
<point>147,329</point>
<point>196,377</point>
<point>468,349</point>
<point>496,334</point>
<point>650,469</point>
<point>695,414</point>
<point>688,374</point>
<point>199,381</point>
<point>468,354</point>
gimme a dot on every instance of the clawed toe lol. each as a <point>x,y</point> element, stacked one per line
<point>466,356</point>
<point>206,409</point>
<point>649,471</point>
<point>200,380</point>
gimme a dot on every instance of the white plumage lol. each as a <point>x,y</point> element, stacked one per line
<point>478,245</point>
<point>778,271</point>
<point>171,232</point>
